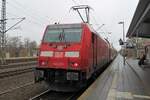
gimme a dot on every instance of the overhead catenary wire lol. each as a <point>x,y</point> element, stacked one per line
<point>28,14</point>
<point>75,2</point>
<point>27,20</point>
<point>98,25</point>
<point>31,10</point>
<point>32,19</point>
<point>94,19</point>
<point>11,14</point>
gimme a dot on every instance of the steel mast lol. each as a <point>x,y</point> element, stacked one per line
<point>2,31</point>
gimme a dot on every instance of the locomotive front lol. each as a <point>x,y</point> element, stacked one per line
<point>60,53</point>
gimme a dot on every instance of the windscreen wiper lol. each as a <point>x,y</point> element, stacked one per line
<point>60,37</point>
<point>63,36</point>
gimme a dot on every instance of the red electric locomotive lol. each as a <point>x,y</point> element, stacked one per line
<point>71,52</point>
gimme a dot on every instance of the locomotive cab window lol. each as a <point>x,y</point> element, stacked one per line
<point>63,35</point>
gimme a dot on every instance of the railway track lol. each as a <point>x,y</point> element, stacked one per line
<point>13,89</point>
<point>18,64</point>
<point>54,95</point>
<point>17,68</point>
<point>16,72</point>
<point>19,59</point>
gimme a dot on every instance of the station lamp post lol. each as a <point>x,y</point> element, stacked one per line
<point>122,22</point>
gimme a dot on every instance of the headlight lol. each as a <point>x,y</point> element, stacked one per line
<point>46,53</point>
<point>72,54</point>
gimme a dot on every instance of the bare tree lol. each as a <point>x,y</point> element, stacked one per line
<point>26,46</point>
<point>14,45</point>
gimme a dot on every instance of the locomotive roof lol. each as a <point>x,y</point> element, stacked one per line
<point>95,32</point>
<point>75,25</point>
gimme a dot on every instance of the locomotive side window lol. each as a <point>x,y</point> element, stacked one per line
<point>63,35</point>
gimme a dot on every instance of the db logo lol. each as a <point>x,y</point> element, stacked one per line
<point>60,48</point>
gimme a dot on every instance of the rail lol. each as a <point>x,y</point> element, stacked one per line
<point>39,95</point>
<point>16,71</point>
<point>12,89</point>
<point>19,64</point>
<point>19,59</point>
<point>50,94</point>
<point>17,68</point>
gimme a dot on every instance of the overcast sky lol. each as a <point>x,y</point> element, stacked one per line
<point>39,13</point>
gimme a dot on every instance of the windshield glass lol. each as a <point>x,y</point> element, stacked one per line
<point>63,35</point>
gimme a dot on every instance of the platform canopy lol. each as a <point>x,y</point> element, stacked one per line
<point>140,25</point>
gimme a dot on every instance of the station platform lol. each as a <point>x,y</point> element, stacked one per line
<point>121,82</point>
